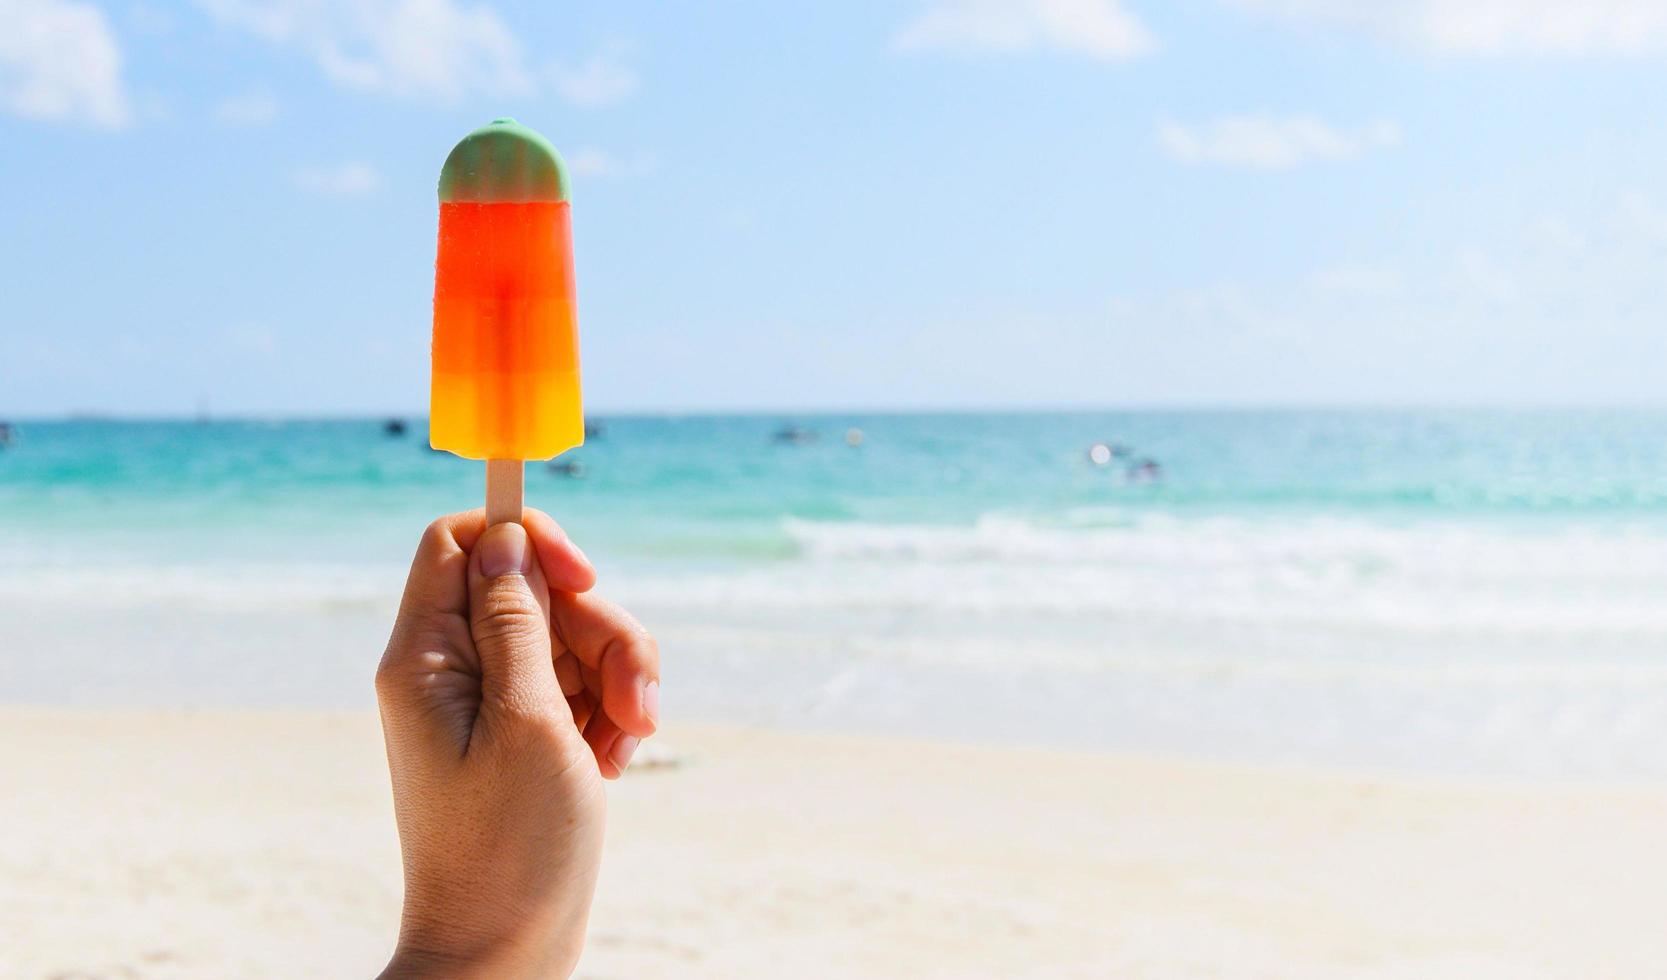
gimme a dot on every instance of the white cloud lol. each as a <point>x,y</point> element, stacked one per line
<point>437,49</point>
<point>588,161</point>
<point>602,79</point>
<point>1270,142</point>
<point>1546,308</point>
<point>351,179</point>
<point>1489,27</point>
<point>255,108</point>
<point>591,161</point>
<point>59,60</point>
<point>1098,28</point>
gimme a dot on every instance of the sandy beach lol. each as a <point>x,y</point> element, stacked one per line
<point>261,844</point>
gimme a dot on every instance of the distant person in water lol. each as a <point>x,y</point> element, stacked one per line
<point>1146,471</point>
<point>508,694</point>
<point>6,435</point>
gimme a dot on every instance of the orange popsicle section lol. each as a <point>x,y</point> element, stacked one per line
<point>506,349</point>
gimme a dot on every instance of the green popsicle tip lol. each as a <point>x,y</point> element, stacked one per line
<point>503,161</point>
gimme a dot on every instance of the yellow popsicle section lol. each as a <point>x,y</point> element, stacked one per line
<point>506,347</point>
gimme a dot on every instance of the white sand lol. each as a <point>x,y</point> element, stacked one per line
<point>255,845</point>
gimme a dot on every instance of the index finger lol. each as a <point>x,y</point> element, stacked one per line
<point>565,567</point>
<point>439,577</point>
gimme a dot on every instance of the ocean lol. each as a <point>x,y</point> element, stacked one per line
<point>1475,591</point>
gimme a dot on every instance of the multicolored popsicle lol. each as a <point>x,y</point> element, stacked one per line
<point>506,344</point>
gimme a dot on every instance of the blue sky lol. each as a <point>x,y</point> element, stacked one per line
<point>944,203</point>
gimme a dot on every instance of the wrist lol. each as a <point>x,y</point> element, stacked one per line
<point>423,953</point>
<point>421,963</point>
<point>410,963</point>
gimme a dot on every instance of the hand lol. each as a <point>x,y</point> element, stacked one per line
<point>507,696</point>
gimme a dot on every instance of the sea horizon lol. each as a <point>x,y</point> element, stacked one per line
<point>814,411</point>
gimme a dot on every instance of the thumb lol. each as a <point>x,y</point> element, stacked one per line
<point>509,618</point>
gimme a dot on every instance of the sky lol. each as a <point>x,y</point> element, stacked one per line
<point>863,204</point>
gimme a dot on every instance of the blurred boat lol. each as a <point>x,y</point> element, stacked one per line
<point>793,435</point>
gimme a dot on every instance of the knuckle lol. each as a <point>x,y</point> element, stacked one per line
<point>509,598</point>
<point>438,532</point>
<point>507,618</point>
<point>420,644</point>
<point>387,680</point>
<point>637,643</point>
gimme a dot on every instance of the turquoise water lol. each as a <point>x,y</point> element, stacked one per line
<point>721,486</point>
<point>1434,589</point>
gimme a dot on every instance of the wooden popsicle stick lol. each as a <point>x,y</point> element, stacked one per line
<point>503,491</point>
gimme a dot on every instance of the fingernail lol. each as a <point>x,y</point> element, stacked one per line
<point>651,702</point>
<point>503,550</point>
<point>623,750</point>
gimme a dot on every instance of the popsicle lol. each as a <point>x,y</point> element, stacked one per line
<point>505,382</point>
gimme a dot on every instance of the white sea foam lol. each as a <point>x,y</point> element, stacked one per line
<point>1418,579</point>
<point>1430,645</point>
<point>1099,572</point>
<point>205,586</point>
